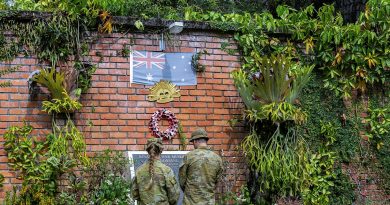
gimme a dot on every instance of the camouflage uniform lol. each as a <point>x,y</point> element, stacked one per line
<point>198,176</point>
<point>164,189</point>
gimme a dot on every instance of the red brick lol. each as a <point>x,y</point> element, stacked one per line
<point>197,92</point>
<point>205,99</point>
<point>198,104</point>
<point>188,98</point>
<point>127,128</point>
<point>213,45</point>
<point>108,103</point>
<point>118,59</point>
<point>120,113</point>
<point>127,141</point>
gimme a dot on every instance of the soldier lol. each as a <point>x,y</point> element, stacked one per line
<point>200,171</point>
<point>154,182</point>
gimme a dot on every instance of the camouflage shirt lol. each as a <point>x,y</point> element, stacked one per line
<point>164,189</point>
<point>198,176</point>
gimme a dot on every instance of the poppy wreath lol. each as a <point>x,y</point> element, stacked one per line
<point>173,124</point>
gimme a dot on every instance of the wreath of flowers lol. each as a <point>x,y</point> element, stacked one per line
<point>173,124</point>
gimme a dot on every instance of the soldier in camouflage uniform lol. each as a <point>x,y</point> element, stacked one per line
<point>154,182</point>
<point>200,172</point>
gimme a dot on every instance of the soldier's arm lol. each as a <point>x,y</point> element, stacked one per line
<point>172,188</point>
<point>183,173</point>
<point>135,189</point>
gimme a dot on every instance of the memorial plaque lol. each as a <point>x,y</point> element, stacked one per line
<point>172,159</point>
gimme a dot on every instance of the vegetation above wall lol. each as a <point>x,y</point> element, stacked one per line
<point>293,88</point>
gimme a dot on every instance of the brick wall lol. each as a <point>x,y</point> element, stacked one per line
<point>122,113</point>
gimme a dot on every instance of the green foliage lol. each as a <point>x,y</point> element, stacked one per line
<point>5,84</point>
<point>280,162</point>
<point>109,183</point>
<point>351,55</point>
<point>35,166</point>
<point>9,47</point>
<point>5,72</point>
<point>85,75</point>
<point>104,181</point>
<point>378,132</point>
<point>113,190</point>
<point>356,55</point>
<point>320,170</point>
<point>76,9</point>
<point>242,198</point>
<point>196,66</point>
<point>379,125</point>
<point>331,140</point>
<point>9,70</point>
<point>68,139</point>
<point>182,136</point>
<point>61,105</point>
<point>271,95</point>
<point>343,189</point>
<point>321,105</point>
<point>53,39</point>
<point>1,180</point>
<point>53,81</point>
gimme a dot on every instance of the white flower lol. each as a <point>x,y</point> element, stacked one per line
<point>108,182</point>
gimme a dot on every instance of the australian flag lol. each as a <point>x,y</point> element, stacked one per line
<point>148,67</point>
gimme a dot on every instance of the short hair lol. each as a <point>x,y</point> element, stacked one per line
<point>201,140</point>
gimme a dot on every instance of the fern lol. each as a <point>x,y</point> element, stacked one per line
<point>1,180</point>
<point>272,95</point>
<point>5,84</point>
<point>5,72</point>
<point>52,80</point>
<point>9,70</point>
<point>61,105</point>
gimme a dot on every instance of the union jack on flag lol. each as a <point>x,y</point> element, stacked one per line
<point>149,60</point>
<point>148,68</point>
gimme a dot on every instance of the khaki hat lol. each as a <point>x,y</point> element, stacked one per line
<point>154,141</point>
<point>199,133</point>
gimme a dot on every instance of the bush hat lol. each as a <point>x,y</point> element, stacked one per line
<point>199,133</point>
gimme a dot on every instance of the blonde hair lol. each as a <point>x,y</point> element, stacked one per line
<point>154,151</point>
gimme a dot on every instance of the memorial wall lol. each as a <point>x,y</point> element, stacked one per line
<point>117,110</point>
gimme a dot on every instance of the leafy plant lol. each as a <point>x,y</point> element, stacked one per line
<point>378,129</point>
<point>196,66</point>
<point>241,198</point>
<point>280,162</point>
<point>379,125</point>
<point>1,180</point>
<point>320,170</point>
<point>113,190</point>
<point>273,90</point>
<point>7,71</point>
<point>36,167</point>
<point>108,183</point>
<point>85,75</point>
<point>343,189</point>
<point>61,105</point>
<point>68,139</point>
<point>53,81</point>
<point>182,136</point>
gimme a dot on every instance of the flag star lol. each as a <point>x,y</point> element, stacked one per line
<point>173,67</point>
<point>182,80</point>
<point>149,77</point>
<point>189,63</point>
<point>185,69</point>
<point>182,57</point>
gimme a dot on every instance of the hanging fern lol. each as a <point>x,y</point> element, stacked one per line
<point>5,72</point>
<point>5,84</point>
